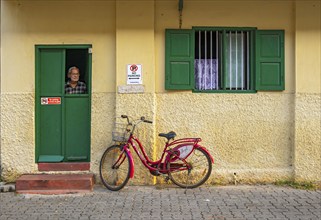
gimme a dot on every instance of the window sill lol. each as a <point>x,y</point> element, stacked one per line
<point>224,91</point>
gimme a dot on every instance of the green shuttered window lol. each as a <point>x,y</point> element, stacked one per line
<point>224,59</point>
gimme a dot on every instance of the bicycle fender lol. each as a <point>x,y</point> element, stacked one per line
<point>204,149</point>
<point>181,151</point>
<point>131,162</point>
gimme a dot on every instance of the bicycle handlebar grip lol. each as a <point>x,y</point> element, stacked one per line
<point>124,116</point>
<point>147,121</point>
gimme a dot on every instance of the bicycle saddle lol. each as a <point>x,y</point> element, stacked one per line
<point>169,135</point>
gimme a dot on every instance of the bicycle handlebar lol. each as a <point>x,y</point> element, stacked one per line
<point>146,121</point>
<point>141,119</point>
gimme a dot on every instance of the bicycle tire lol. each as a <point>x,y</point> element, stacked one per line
<point>114,178</point>
<point>201,169</point>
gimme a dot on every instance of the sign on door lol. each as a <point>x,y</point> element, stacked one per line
<point>50,101</point>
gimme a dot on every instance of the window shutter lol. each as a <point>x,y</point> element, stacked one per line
<point>179,59</point>
<point>269,60</point>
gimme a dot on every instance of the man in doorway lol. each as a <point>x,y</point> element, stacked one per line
<point>74,86</point>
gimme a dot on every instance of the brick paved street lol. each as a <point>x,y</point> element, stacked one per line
<point>219,202</point>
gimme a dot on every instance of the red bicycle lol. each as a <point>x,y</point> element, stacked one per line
<point>186,163</point>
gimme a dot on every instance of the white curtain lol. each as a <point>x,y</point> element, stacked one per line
<point>206,74</point>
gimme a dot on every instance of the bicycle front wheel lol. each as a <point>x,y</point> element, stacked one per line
<point>114,168</point>
<point>192,171</point>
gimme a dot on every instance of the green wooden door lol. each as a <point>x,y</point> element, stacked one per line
<point>62,120</point>
<point>77,128</point>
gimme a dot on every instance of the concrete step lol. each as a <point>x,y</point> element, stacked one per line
<point>74,166</point>
<point>54,183</point>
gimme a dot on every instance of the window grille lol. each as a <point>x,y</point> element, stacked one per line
<point>222,60</point>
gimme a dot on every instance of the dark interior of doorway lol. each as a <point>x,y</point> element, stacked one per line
<point>78,58</point>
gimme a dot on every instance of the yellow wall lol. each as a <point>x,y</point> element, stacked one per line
<point>308,47</point>
<point>135,40</point>
<point>27,23</point>
<point>135,44</point>
<point>248,134</point>
<point>307,151</point>
<point>260,14</point>
<point>263,136</point>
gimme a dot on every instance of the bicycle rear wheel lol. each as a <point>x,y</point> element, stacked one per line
<point>114,168</point>
<point>191,172</point>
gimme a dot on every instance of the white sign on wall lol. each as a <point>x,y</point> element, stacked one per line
<point>134,74</point>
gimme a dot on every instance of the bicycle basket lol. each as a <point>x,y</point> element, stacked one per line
<point>120,133</point>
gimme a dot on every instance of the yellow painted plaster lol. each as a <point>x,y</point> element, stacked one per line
<point>135,40</point>
<point>17,136</point>
<point>308,46</point>
<point>136,106</point>
<point>28,23</point>
<point>307,149</point>
<point>251,135</point>
<point>135,45</point>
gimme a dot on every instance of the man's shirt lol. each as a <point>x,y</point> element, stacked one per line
<point>80,88</point>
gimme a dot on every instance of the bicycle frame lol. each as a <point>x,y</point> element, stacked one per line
<point>182,149</point>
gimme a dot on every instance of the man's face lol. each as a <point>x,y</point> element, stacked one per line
<point>74,75</point>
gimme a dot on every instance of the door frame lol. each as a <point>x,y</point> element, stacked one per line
<point>38,48</point>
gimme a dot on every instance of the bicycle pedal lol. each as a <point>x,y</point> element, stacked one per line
<point>155,173</point>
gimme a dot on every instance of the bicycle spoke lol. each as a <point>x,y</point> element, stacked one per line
<point>114,168</point>
<point>194,170</point>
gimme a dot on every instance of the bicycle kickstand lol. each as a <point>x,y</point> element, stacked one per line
<point>188,178</point>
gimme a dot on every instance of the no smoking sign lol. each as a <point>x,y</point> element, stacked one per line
<point>134,74</point>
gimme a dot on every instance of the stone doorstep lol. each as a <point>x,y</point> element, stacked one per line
<point>54,183</point>
<point>52,192</point>
<point>74,166</point>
